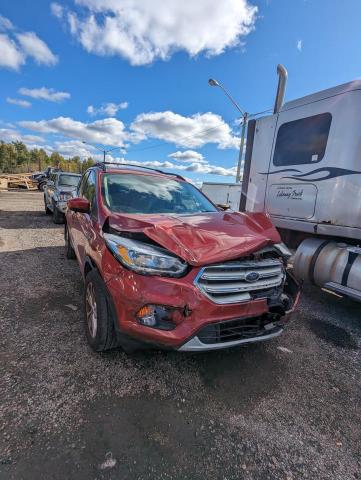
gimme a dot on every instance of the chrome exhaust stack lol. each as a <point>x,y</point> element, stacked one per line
<point>281,89</point>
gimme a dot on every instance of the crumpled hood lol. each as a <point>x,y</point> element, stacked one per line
<point>204,238</point>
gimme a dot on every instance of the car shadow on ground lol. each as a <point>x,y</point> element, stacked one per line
<point>27,219</point>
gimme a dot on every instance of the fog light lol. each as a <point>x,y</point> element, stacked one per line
<point>156,316</point>
<point>146,316</point>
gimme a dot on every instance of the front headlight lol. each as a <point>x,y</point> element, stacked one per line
<point>143,258</point>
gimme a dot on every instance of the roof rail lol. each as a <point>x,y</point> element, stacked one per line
<point>103,166</point>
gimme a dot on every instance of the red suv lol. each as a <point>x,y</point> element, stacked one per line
<point>164,267</point>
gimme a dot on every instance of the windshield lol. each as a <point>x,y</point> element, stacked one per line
<point>69,180</point>
<point>127,193</point>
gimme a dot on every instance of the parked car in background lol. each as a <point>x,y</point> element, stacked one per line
<point>164,267</point>
<point>42,177</point>
<point>58,190</point>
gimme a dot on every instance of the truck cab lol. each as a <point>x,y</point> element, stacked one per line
<point>303,169</point>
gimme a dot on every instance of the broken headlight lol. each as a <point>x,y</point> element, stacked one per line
<point>143,258</point>
<point>283,249</point>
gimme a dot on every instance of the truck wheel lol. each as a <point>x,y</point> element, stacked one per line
<point>47,210</point>
<point>58,217</point>
<point>99,320</point>
<point>69,250</point>
<point>42,186</point>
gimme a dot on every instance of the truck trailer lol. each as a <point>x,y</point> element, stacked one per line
<point>227,194</point>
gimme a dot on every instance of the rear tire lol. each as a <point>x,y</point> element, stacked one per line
<point>99,319</point>
<point>69,250</point>
<point>58,217</point>
<point>42,186</point>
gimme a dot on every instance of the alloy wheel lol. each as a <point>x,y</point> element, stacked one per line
<point>91,310</point>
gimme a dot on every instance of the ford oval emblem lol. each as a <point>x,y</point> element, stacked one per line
<point>252,277</point>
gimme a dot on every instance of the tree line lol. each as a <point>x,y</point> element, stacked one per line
<point>15,157</point>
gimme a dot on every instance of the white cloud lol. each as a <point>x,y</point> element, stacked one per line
<point>19,102</point>
<point>13,135</point>
<point>5,24</point>
<point>10,55</point>
<point>74,148</point>
<point>15,48</point>
<point>8,135</point>
<point>191,132</point>
<point>194,131</point>
<point>108,131</point>
<point>44,94</point>
<point>207,168</point>
<point>110,109</point>
<point>299,45</point>
<point>142,31</point>
<point>198,168</point>
<point>32,138</point>
<point>34,47</point>
<point>57,10</point>
<point>188,156</point>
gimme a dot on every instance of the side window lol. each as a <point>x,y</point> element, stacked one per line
<point>302,141</point>
<point>83,185</point>
<point>89,191</point>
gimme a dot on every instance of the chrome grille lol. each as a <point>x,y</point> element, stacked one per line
<point>232,282</point>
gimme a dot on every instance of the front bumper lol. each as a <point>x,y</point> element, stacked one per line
<point>196,345</point>
<point>130,292</point>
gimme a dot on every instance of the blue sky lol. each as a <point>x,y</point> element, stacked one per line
<point>63,65</point>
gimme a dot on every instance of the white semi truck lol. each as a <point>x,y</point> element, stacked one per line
<point>303,168</point>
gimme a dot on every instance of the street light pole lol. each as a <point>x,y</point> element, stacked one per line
<point>104,152</point>
<point>214,83</point>
<point>243,137</point>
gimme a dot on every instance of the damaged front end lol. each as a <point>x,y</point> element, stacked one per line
<point>263,275</point>
<point>194,308</point>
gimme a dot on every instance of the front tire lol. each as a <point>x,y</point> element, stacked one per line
<point>58,217</point>
<point>99,319</point>
<point>69,250</point>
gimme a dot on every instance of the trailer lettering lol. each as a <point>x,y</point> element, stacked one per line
<point>290,193</point>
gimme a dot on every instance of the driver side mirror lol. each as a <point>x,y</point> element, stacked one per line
<point>80,205</point>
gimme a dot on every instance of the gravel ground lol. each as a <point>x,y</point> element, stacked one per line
<point>287,409</point>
